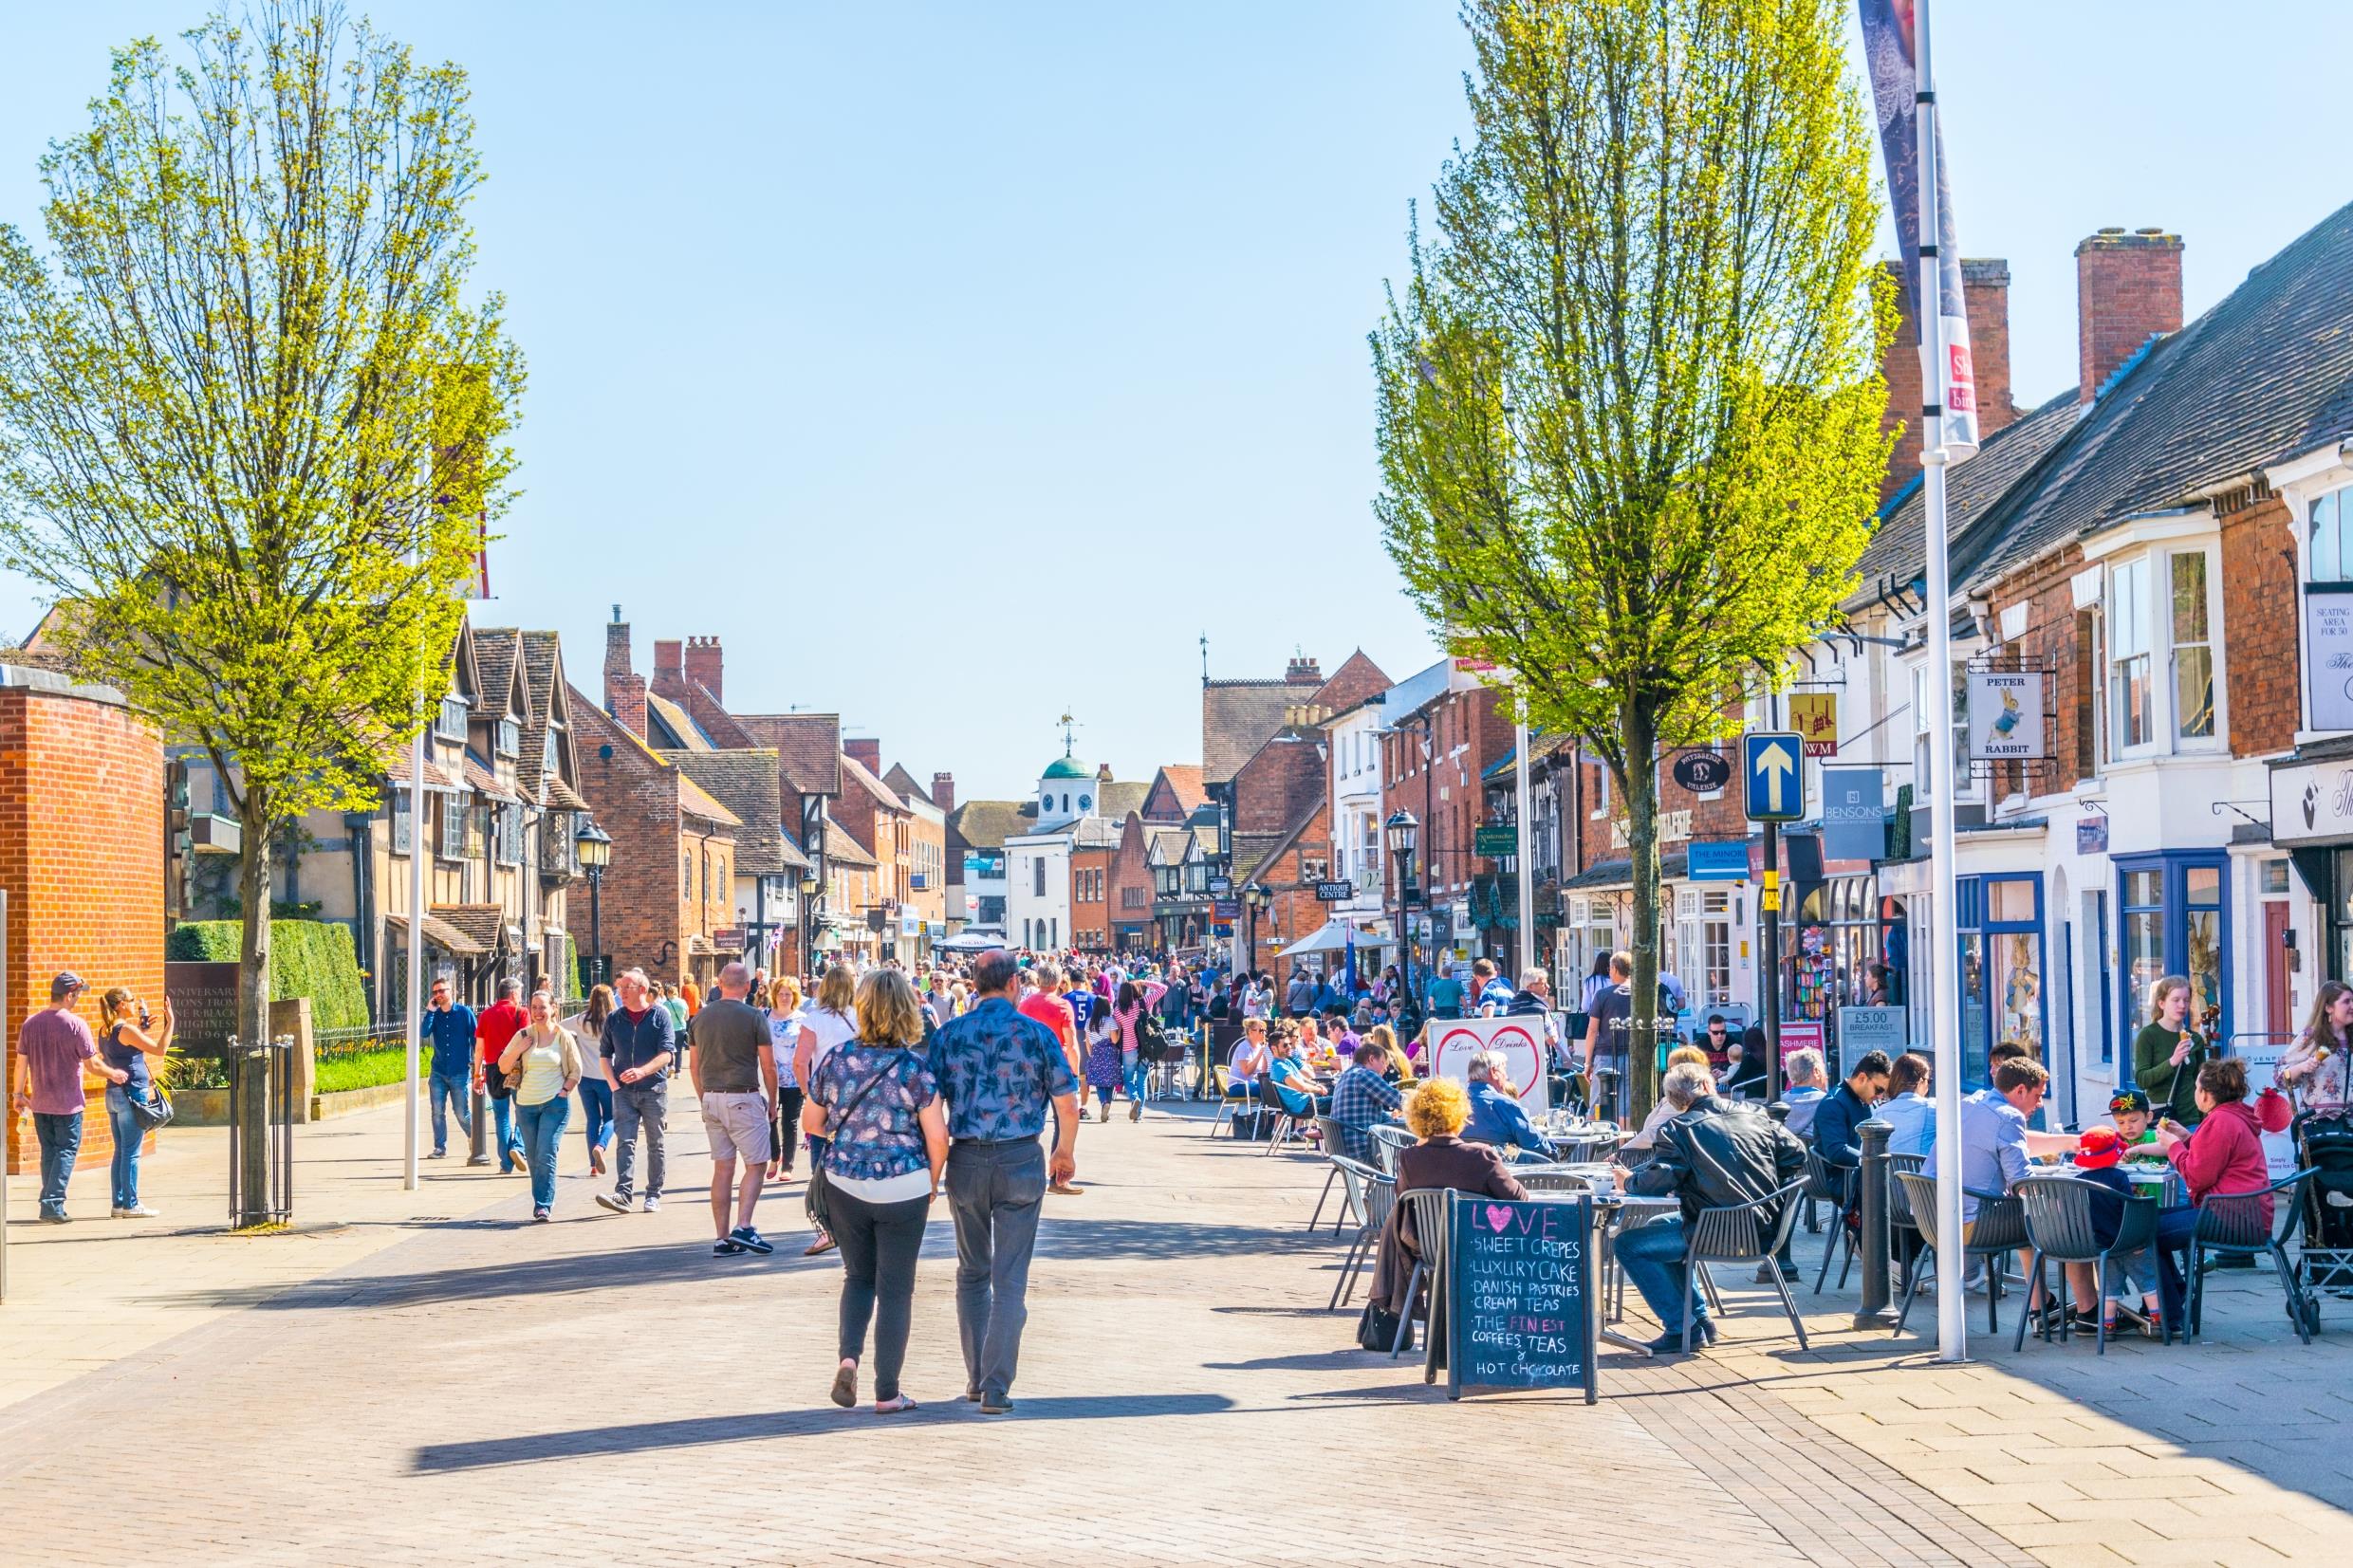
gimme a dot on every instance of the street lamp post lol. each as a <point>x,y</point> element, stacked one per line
<point>1255,895</point>
<point>1404,834</point>
<point>596,853</point>
<point>809,909</point>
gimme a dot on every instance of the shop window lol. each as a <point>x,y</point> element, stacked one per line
<point>2002,991</point>
<point>2325,558</point>
<point>2173,918</point>
<point>2091,706</point>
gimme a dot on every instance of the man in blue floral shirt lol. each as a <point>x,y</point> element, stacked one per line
<point>999,1073</point>
<point>1363,1099</point>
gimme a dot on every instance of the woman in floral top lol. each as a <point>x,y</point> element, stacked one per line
<point>877,1106</point>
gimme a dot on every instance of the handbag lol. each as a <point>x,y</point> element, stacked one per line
<point>818,1185</point>
<point>151,1111</point>
<point>1377,1328</point>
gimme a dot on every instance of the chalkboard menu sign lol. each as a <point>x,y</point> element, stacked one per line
<point>1519,1302</point>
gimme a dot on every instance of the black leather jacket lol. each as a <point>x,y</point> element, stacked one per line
<point>1717,1154</point>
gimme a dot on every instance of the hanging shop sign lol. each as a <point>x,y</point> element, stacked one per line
<point>2005,709</point>
<point>1814,716</point>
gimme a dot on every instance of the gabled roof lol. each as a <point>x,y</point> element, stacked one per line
<point>1184,784</point>
<point>986,824</point>
<point>496,652</point>
<point>842,845</point>
<point>744,783</point>
<point>484,925</point>
<point>903,784</point>
<point>1236,718</point>
<point>811,745</point>
<point>1166,847</point>
<point>856,775</point>
<point>543,685</point>
<point>670,728</point>
<point>1897,551</point>
<point>2266,373</point>
<point>696,802</point>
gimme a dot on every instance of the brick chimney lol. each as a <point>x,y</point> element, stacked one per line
<point>616,648</point>
<point>943,791</point>
<point>1303,671</point>
<point>668,658</point>
<point>868,752</point>
<point>702,665</point>
<point>625,698</point>
<point>1102,773</point>
<point>1985,286</point>
<point>2127,290</point>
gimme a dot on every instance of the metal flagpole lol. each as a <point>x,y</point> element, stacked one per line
<point>1526,859</point>
<point>415,1002</point>
<point>1944,941</point>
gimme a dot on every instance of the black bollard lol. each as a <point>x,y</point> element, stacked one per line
<point>1872,1311</point>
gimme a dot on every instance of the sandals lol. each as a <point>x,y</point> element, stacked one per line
<point>896,1407</point>
<point>845,1385</point>
<point>824,1243</point>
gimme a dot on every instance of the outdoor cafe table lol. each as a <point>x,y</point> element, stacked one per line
<point>1612,1212</point>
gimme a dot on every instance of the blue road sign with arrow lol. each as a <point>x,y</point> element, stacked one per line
<point>1772,770</point>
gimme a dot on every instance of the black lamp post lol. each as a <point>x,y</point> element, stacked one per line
<point>1255,895</point>
<point>1403,833</point>
<point>596,853</point>
<point>808,910</point>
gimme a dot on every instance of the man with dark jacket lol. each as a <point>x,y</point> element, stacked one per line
<point>1712,1153</point>
<point>1847,1107</point>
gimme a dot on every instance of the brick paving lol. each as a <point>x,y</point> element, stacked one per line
<point>599,1390</point>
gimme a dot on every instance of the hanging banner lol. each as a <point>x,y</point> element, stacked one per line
<point>1895,85</point>
<point>1854,814</point>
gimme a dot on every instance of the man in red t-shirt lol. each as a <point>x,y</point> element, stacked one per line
<point>1047,1006</point>
<point>500,1023</point>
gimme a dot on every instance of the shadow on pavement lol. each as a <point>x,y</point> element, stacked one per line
<point>582,1271</point>
<point>1148,1240</point>
<point>698,1431</point>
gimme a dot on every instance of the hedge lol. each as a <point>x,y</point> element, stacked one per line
<point>312,958</point>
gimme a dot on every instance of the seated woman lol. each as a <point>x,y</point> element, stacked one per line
<point>2224,1154</point>
<point>1249,1062</point>
<point>1434,1113</point>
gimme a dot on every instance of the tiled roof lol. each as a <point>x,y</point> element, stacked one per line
<point>794,859</point>
<point>696,801</point>
<point>903,782</point>
<point>673,729</point>
<point>1118,798</point>
<point>440,934</point>
<point>1166,845</point>
<point>1271,848</point>
<point>745,782</point>
<point>1237,716</point>
<point>811,745</point>
<point>1896,552</point>
<point>2265,374</point>
<point>541,658</point>
<point>986,824</point>
<point>856,774</point>
<point>1094,833</point>
<point>484,782</point>
<point>561,796</point>
<point>484,925</point>
<point>495,651</point>
<point>397,770</point>
<point>1184,781</point>
<point>843,848</point>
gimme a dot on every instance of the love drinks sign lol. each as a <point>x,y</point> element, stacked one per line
<point>1518,1298</point>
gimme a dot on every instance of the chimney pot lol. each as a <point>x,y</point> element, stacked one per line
<point>943,790</point>
<point>1985,289</point>
<point>703,665</point>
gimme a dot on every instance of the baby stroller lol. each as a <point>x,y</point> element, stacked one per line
<point>2325,1146</point>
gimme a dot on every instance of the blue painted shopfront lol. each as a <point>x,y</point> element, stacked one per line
<point>2004,991</point>
<point>2173,917</point>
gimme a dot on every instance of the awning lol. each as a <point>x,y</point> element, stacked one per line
<point>1334,939</point>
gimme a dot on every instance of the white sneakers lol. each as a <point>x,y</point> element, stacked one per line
<point>141,1212</point>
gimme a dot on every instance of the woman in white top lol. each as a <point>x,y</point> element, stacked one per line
<point>783,1044</point>
<point>596,1090</point>
<point>542,1063</point>
<point>827,1022</point>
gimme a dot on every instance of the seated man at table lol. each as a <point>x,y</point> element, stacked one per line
<point>1711,1154</point>
<point>1997,1145</point>
<point>1847,1107</point>
<point>1496,1117</point>
<point>1808,1080</point>
<point>1302,1093</point>
<point>1364,1098</point>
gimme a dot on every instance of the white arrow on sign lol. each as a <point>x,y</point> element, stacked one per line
<point>1776,763</point>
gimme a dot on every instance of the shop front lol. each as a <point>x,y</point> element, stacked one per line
<point>2004,995</point>
<point>2312,819</point>
<point>2174,917</point>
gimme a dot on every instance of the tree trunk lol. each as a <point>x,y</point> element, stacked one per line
<point>1641,791</point>
<point>250,1112</point>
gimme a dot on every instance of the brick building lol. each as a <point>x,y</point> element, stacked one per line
<point>926,894</point>
<point>1432,761</point>
<point>81,839</point>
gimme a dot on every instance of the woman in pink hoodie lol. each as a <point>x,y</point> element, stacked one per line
<point>2225,1155</point>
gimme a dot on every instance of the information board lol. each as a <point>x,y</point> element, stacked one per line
<point>1517,1037</point>
<point>1519,1298</point>
<point>1862,1030</point>
<point>204,1004</point>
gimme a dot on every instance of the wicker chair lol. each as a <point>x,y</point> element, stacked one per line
<point>1999,1229</point>
<point>2059,1226</point>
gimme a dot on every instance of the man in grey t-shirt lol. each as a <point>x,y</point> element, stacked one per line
<point>734,1073</point>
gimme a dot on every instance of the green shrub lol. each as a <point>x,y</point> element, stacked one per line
<point>312,958</point>
<point>366,1069</point>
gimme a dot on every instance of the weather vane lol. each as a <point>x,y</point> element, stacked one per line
<point>1069,727</point>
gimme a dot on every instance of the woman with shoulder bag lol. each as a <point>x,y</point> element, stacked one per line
<point>596,1090</point>
<point>875,1105</point>
<point>132,1100</point>
<point>542,1065</point>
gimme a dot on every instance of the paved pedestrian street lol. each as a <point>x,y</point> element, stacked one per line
<point>473,1388</point>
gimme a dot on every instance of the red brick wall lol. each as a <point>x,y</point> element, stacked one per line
<point>82,860</point>
<point>1129,870</point>
<point>2128,287</point>
<point>1273,790</point>
<point>2262,670</point>
<point>634,800</point>
<point>1985,286</point>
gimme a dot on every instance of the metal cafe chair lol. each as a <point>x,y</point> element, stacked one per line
<point>1743,1233</point>
<point>2234,1225</point>
<point>1387,1142</point>
<point>1380,1196</point>
<point>1329,1140</point>
<point>2059,1224</point>
<point>1429,1209</point>
<point>2000,1229</point>
<point>1835,1186</point>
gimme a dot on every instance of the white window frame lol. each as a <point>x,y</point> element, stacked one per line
<point>1923,770</point>
<point>2148,625</point>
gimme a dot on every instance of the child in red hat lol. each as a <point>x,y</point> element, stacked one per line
<point>2099,1154</point>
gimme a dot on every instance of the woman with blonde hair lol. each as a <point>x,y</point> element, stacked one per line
<point>1435,1113</point>
<point>2167,1052</point>
<point>826,1023</point>
<point>783,1034</point>
<point>874,1103</point>
<point>1393,1068</point>
<point>542,1064</point>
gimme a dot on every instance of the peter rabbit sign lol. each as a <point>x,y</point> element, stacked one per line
<point>2005,716</point>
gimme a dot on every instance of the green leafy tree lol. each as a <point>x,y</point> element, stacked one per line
<point>1628,403</point>
<point>250,428</point>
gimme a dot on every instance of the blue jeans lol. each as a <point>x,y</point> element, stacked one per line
<point>1134,1070</point>
<point>1653,1259</point>
<point>127,1134</point>
<point>509,1147</point>
<point>596,1109</point>
<point>61,1140</point>
<point>2175,1226</point>
<point>450,1092</point>
<point>543,1135</point>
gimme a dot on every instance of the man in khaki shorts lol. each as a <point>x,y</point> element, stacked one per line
<point>734,1076</point>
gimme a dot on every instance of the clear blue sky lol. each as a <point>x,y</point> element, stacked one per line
<point>1016,346</point>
